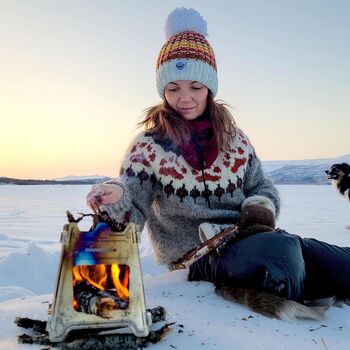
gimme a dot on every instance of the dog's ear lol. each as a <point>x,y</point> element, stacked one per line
<point>341,169</point>
<point>346,169</point>
<point>345,166</point>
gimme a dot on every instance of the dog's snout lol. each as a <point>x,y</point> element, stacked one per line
<point>326,171</point>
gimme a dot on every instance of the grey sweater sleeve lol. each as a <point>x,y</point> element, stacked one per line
<point>138,191</point>
<point>257,184</point>
<point>128,209</point>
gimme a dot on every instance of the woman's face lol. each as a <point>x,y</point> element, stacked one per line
<point>189,98</point>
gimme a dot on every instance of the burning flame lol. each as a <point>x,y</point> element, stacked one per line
<point>120,285</point>
<point>94,274</point>
<point>104,277</point>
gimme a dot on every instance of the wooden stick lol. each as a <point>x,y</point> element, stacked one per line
<point>206,247</point>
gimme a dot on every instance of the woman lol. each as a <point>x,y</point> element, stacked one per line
<point>193,170</point>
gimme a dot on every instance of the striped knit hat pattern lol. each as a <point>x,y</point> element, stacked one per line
<point>186,55</point>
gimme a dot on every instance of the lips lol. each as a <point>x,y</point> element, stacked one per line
<point>186,109</point>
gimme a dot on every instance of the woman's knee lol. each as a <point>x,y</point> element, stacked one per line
<point>271,261</point>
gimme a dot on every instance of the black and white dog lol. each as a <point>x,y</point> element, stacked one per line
<point>340,176</point>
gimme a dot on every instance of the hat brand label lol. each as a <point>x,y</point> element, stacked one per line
<point>181,65</point>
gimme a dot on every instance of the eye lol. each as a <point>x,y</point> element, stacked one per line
<point>196,86</point>
<point>173,89</point>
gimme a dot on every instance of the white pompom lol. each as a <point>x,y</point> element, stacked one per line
<point>183,19</point>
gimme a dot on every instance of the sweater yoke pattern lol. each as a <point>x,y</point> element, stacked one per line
<point>160,161</point>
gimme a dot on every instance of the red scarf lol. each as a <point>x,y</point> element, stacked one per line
<point>201,152</point>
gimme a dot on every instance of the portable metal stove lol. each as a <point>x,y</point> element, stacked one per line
<point>96,266</point>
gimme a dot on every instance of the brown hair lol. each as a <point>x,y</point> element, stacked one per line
<point>169,124</point>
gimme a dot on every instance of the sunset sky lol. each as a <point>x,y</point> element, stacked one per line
<point>75,77</point>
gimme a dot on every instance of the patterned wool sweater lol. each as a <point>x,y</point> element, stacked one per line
<point>162,188</point>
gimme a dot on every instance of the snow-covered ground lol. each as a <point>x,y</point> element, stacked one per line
<point>31,219</point>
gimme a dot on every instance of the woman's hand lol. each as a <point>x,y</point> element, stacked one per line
<point>103,194</point>
<point>256,218</point>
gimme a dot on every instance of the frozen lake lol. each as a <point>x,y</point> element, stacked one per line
<point>32,217</point>
<point>31,220</point>
<point>37,213</point>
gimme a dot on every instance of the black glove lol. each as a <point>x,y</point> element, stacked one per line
<point>255,218</point>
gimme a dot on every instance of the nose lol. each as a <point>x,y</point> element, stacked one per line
<point>185,96</point>
<point>326,171</point>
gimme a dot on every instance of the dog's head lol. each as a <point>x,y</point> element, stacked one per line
<point>338,171</point>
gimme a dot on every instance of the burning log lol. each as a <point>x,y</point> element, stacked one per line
<point>92,300</point>
<point>88,339</point>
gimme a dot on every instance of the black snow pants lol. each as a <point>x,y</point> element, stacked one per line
<point>280,263</point>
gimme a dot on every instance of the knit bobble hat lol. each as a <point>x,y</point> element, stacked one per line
<point>186,55</point>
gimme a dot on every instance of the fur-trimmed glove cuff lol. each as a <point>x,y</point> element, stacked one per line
<point>256,218</point>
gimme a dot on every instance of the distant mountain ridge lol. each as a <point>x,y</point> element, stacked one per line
<point>80,178</point>
<point>306,171</point>
<point>85,180</point>
<point>281,172</point>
